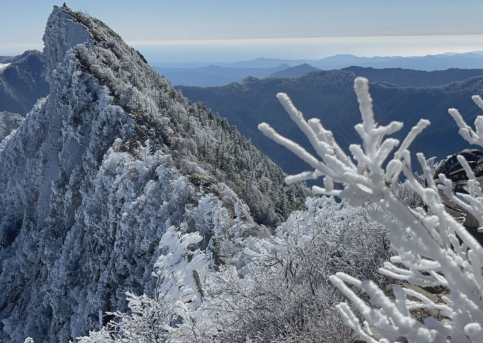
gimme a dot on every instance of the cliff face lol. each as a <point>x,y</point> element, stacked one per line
<point>96,174</point>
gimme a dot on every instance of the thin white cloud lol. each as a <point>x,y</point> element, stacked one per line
<point>314,48</point>
<point>317,40</point>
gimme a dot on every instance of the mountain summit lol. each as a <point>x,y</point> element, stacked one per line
<point>97,173</point>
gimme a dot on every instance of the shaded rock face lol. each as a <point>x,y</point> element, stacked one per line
<point>22,82</point>
<point>99,170</point>
<point>8,122</point>
<point>454,171</point>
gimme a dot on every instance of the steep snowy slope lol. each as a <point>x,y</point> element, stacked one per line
<point>99,170</point>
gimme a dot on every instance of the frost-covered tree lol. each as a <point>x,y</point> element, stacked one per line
<point>432,248</point>
<point>281,292</point>
<point>146,322</point>
<point>181,272</point>
<point>253,285</point>
<point>179,292</point>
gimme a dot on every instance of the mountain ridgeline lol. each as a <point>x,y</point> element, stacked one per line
<point>97,173</point>
<point>22,81</point>
<point>415,78</point>
<point>329,95</point>
<point>296,71</point>
<point>222,73</point>
<point>214,75</point>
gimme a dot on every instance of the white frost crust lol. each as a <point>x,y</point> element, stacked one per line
<point>3,66</point>
<point>87,219</point>
<point>61,34</point>
<point>433,249</point>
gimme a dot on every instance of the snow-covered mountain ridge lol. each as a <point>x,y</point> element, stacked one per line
<point>22,81</point>
<point>99,170</point>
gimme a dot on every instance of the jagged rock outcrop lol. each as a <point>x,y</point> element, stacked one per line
<point>99,170</point>
<point>454,171</point>
<point>22,81</point>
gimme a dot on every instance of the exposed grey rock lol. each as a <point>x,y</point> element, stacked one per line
<point>454,171</point>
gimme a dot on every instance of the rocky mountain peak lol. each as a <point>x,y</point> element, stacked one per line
<point>64,31</point>
<point>97,173</point>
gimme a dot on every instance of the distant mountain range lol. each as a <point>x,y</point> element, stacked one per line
<point>452,60</point>
<point>214,75</point>
<point>329,95</point>
<point>429,63</point>
<point>22,81</point>
<point>219,74</point>
<point>256,63</point>
<point>332,62</point>
<point>415,78</point>
<point>296,71</point>
<point>8,59</point>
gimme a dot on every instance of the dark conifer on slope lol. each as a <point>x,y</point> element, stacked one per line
<point>97,173</point>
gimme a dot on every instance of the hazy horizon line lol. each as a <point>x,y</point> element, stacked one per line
<point>285,39</point>
<point>309,48</point>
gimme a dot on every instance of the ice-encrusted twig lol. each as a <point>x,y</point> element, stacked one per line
<point>432,250</point>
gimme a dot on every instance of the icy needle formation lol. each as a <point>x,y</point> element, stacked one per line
<point>432,248</point>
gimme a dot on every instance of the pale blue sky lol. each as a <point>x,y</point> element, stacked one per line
<point>229,30</point>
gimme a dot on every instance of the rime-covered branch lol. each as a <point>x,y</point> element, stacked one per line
<point>433,248</point>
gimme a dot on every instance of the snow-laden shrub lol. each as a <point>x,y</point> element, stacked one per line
<point>147,322</point>
<point>433,249</point>
<point>263,288</point>
<point>179,291</point>
<point>283,292</point>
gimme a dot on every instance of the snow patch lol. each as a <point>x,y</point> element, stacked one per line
<point>3,66</point>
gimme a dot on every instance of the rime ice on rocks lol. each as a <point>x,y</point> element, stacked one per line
<point>97,173</point>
